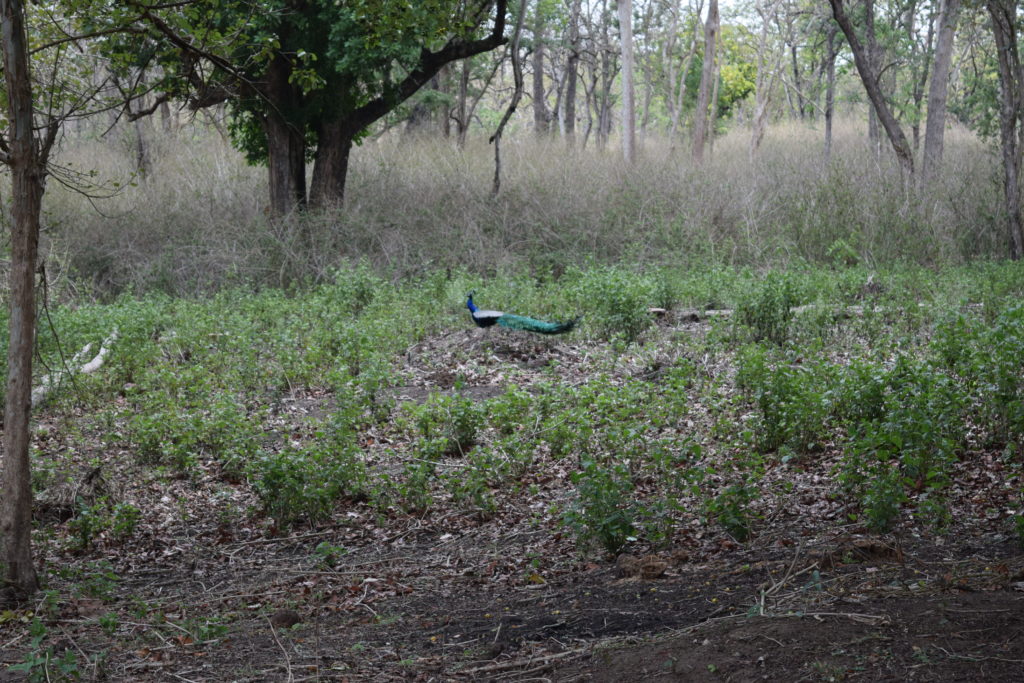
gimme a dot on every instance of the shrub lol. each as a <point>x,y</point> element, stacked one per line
<point>767,309</point>
<point>615,301</point>
<point>731,509</point>
<point>304,482</point>
<point>604,511</point>
<point>450,423</point>
<point>791,400</point>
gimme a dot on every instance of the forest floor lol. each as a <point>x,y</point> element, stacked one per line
<point>200,592</point>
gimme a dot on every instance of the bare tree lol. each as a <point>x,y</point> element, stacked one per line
<point>765,79</point>
<point>700,118</point>
<point>935,126</point>
<point>869,77</point>
<point>676,90</point>
<point>628,103</point>
<point>604,75</point>
<point>517,74</point>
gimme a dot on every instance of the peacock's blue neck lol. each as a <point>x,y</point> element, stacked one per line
<point>470,305</point>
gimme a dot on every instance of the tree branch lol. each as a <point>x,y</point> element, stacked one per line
<point>870,80</point>
<point>430,63</point>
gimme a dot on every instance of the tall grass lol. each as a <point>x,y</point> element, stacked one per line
<point>198,221</point>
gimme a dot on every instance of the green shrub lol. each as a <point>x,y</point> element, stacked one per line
<point>999,364</point>
<point>470,487</point>
<point>883,495</point>
<point>767,308</point>
<point>604,511</point>
<point>731,509</point>
<point>910,446</point>
<point>304,482</point>
<point>451,424</point>
<point>174,432</point>
<point>791,400</point>
<point>510,412</point>
<point>615,300</point>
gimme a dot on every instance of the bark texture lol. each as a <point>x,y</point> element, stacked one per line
<point>1011,83</point>
<point>869,77</point>
<point>26,157</point>
<point>572,65</point>
<point>700,118</point>
<point>286,144</point>
<point>935,126</point>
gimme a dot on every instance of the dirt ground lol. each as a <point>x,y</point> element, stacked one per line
<point>207,590</point>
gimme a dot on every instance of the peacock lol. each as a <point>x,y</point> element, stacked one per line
<point>516,322</point>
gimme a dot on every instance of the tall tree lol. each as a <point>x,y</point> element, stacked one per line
<point>677,84</point>
<point>628,102</point>
<point>306,75</point>
<point>935,126</point>
<point>541,115</point>
<point>1004,15</point>
<point>831,51</point>
<point>767,69</point>
<point>870,78</point>
<point>25,153</point>
<point>700,118</point>
<point>572,65</point>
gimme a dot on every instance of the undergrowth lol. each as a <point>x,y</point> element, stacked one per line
<point>896,376</point>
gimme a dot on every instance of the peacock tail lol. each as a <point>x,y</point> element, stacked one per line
<point>522,322</point>
<point>516,322</point>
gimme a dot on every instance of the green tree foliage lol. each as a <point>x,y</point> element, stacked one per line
<point>303,78</point>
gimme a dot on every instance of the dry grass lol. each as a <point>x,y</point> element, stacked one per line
<point>198,222</point>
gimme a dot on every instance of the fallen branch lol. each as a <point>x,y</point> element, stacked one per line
<point>48,382</point>
<point>520,663</point>
<point>856,311</point>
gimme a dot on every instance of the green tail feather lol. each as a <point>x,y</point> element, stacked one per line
<point>521,322</point>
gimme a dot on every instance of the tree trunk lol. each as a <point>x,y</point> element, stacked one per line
<point>462,115</point>
<point>935,126</point>
<point>765,78</point>
<point>143,165</point>
<point>830,87</point>
<point>166,118</point>
<point>647,67</point>
<point>921,80</point>
<point>286,144</point>
<point>628,103</point>
<point>330,167</point>
<point>445,112</point>
<point>571,68</point>
<point>716,79</point>
<point>27,161</point>
<point>517,77</point>
<point>700,118</point>
<point>1004,30</point>
<point>541,116</point>
<point>676,107</point>
<point>869,77</point>
<point>873,57</point>
<point>798,83</point>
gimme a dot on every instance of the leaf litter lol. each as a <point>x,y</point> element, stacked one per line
<point>208,589</point>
